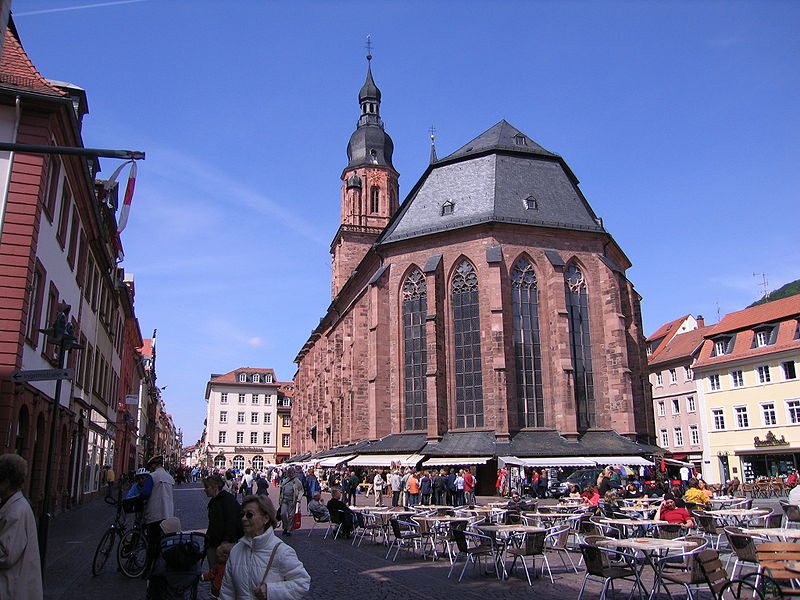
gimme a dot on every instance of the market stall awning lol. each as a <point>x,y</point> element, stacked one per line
<point>385,460</point>
<point>678,463</point>
<point>558,461</point>
<point>636,461</point>
<point>332,461</point>
<point>456,461</point>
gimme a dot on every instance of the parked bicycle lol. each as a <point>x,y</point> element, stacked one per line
<point>132,547</point>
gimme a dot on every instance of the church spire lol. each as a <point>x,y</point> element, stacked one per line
<point>370,144</point>
<point>432,131</point>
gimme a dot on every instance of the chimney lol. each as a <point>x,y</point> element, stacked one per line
<point>701,322</point>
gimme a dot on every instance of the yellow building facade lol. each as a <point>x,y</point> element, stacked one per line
<point>749,391</point>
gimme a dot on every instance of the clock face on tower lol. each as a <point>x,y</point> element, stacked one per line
<point>374,176</point>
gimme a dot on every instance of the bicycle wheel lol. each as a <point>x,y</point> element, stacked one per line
<point>103,551</point>
<point>132,553</point>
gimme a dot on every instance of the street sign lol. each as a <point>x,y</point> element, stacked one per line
<point>131,399</point>
<point>42,375</point>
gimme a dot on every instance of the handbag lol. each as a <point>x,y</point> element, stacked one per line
<point>297,521</point>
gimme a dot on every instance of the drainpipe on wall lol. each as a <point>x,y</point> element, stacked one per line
<point>4,200</point>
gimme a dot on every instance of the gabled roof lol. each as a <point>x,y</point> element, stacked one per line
<point>763,313</point>
<point>679,346</point>
<point>671,327</point>
<point>17,70</point>
<point>492,179</point>
<point>231,376</point>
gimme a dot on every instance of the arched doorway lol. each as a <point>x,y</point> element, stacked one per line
<point>258,463</point>
<point>219,462</point>
<point>238,462</point>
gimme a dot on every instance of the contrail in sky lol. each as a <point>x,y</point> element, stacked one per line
<point>79,7</point>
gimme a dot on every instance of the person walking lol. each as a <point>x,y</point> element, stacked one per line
<point>469,487</point>
<point>425,488</point>
<point>224,522</point>
<point>290,492</point>
<point>20,569</point>
<point>312,487</point>
<point>377,487</point>
<point>439,485</point>
<point>396,482</point>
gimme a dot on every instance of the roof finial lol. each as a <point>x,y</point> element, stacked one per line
<point>432,131</point>
<point>368,46</point>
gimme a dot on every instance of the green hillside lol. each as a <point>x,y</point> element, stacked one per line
<point>790,289</point>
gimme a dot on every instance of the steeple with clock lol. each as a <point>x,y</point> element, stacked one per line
<point>369,186</point>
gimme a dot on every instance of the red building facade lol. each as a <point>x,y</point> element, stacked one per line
<point>490,314</point>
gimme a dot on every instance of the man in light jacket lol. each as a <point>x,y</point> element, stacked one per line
<point>157,490</point>
<point>291,490</point>
<point>20,569</point>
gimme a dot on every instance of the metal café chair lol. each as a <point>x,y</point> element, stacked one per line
<point>557,540</point>
<point>316,521</point>
<point>531,544</point>
<point>481,547</point>
<point>708,525</point>
<point>680,568</point>
<point>791,515</point>
<point>335,524</point>
<point>405,536</point>
<point>743,549</point>
<point>608,566</point>
<point>369,526</point>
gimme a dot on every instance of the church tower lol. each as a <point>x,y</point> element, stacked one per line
<point>369,186</point>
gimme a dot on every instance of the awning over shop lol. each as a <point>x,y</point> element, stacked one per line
<point>333,461</point>
<point>677,463</point>
<point>636,461</point>
<point>385,460</point>
<point>552,461</point>
<point>456,461</point>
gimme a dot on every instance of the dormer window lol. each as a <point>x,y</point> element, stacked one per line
<point>243,377</point>
<point>531,203</point>
<point>448,208</point>
<point>520,140</point>
<point>764,335</point>
<point>256,378</point>
<point>723,345</point>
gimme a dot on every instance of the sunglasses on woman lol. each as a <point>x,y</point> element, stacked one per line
<point>247,515</point>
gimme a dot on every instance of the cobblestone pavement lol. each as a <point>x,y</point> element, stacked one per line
<point>337,568</point>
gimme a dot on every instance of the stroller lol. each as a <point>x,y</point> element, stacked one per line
<point>176,572</point>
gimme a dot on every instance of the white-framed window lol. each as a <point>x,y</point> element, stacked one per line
<point>241,398</point>
<point>221,437</point>
<point>664,438</point>
<point>676,406</point>
<point>660,407</point>
<point>793,408</point>
<point>762,338</point>
<point>253,437</point>
<point>240,417</point>
<point>713,382</point>
<point>673,376</point>
<point>267,400</point>
<point>256,378</point>
<point>254,418</point>
<point>287,420</point>
<point>687,373</point>
<point>763,374</point>
<point>659,379</point>
<point>768,414</point>
<point>223,416</point>
<point>223,398</point>
<point>720,346</point>
<point>718,419</point>
<point>240,437</point>
<point>267,418</point>
<point>694,435</point>
<point>243,377</point>
<point>267,438</point>
<point>268,378</point>
<point>737,379</point>
<point>678,434</point>
<point>255,398</point>
<point>285,440</point>
<point>789,371</point>
<point>742,420</point>
<point>649,349</point>
<point>690,404</point>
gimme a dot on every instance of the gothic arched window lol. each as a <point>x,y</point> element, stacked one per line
<point>467,348</point>
<point>580,343</point>
<point>415,308</point>
<point>374,196</point>
<point>527,352</point>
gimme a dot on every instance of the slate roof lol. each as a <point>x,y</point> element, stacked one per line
<point>17,70</point>
<point>396,443</point>
<point>355,448</point>
<point>479,443</point>
<point>489,180</point>
<point>540,443</point>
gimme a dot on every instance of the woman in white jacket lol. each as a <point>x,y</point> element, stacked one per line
<point>260,565</point>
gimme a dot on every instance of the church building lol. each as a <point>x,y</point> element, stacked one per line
<point>488,315</point>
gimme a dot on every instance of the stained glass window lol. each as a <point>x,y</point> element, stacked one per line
<point>415,307</point>
<point>527,351</point>
<point>580,346</point>
<point>467,348</point>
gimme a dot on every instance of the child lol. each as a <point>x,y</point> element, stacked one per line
<point>217,572</point>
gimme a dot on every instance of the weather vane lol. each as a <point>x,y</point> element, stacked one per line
<point>369,46</point>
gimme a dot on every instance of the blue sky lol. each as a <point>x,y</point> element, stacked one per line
<point>679,118</point>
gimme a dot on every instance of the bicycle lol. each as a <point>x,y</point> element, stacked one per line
<point>132,547</point>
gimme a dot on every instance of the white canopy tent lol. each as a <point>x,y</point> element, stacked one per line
<point>627,461</point>
<point>332,461</point>
<point>385,460</point>
<point>456,461</point>
<point>553,461</point>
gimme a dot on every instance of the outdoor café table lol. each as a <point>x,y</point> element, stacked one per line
<point>784,533</point>
<point>723,500</point>
<point>548,516</point>
<point>734,516</point>
<point>369,509</point>
<point>503,535</point>
<point>630,524</point>
<point>648,548</point>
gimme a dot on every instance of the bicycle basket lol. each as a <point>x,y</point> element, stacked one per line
<point>133,505</point>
